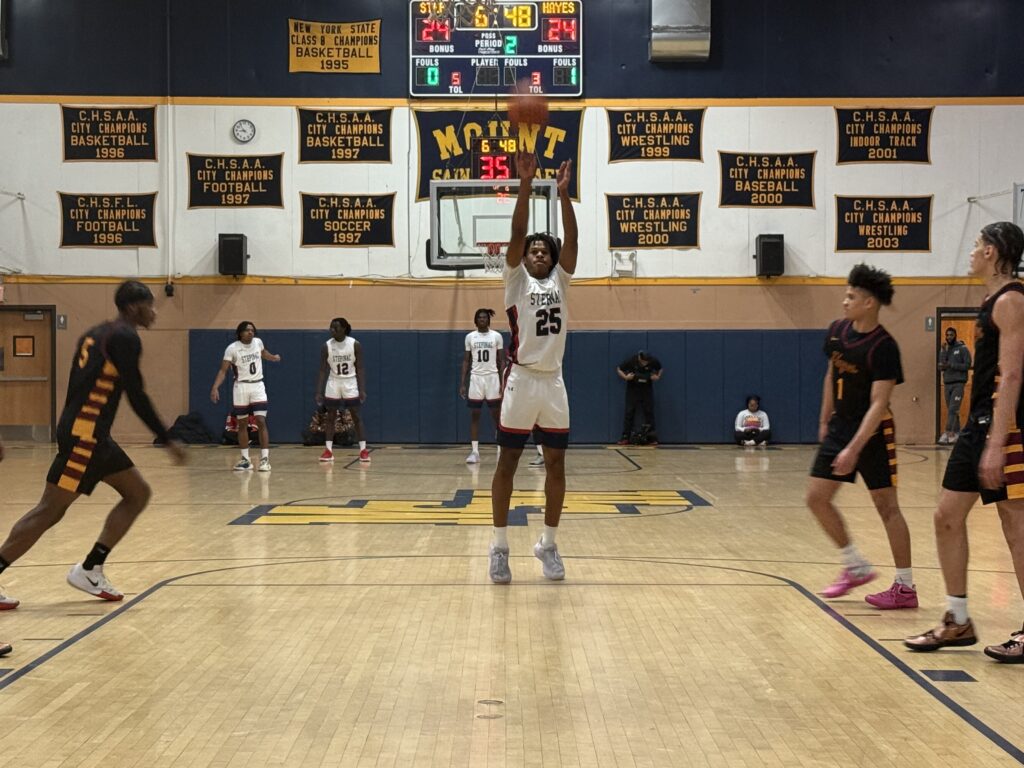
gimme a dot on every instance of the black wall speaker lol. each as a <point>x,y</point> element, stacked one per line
<point>769,255</point>
<point>232,254</point>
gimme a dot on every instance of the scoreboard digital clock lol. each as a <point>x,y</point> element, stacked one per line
<point>493,157</point>
<point>478,50</point>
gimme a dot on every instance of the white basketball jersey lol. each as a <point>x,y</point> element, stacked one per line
<point>538,315</point>
<point>483,349</point>
<point>341,357</point>
<point>247,360</point>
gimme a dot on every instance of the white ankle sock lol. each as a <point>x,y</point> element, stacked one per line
<point>245,453</point>
<point>547,539</point>
<point>905,576</point>
<point>958,605</point>
<point>853,559</point>
<point>500,539</point>
<point>362,445</point>
<point>329,445</point>
<point>264,453</point>
<point>476,446</point>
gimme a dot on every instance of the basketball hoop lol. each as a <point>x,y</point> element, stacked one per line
<point>494,256</point>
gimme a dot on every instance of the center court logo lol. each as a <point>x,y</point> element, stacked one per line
<point>468,507</point>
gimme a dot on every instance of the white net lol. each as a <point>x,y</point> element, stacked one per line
<point>493,255</point>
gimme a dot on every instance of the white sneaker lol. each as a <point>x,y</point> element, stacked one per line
<point>537,461</point>
<point>7,603</point>
<point>944,438</point>
<point>497,567</point>
<point>473,458</point>
<point>265,464</point>
<point>242,465</point>
<point>551,560</point>
<point>93,582</point>
<point>748,442</point>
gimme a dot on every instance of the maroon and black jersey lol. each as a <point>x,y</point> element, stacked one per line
<point>986,358</point>
<point>106,363</point>
<point>858,360</point>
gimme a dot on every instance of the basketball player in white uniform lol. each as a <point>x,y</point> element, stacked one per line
<point>537,274</point>
<point>480,378</point>
<point>249,397</point>
<point>341,362</point>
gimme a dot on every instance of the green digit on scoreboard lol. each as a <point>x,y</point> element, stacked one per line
<point>433,75</point>
<point>511,45</point>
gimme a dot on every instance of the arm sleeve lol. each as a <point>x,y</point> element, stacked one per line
<point>765,424</point>
<point>739,421</point>
<point>124,350</point>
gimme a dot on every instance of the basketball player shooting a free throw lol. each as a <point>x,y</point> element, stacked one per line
<point>536,275</point>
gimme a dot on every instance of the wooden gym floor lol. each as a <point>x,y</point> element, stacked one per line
<point>342,616</point>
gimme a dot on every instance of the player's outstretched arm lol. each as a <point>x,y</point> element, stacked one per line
<point>570,242</point>
<point>266,355</point>
<point>215,389</point>
<point>526,166</point>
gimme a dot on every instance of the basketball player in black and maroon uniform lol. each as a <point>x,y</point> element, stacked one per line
<point>106,363</point>
<point>858,435</point>
<point>988,459</point>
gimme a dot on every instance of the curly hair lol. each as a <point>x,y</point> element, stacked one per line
<point>875,281</point>
<point>1008,240</point>
<point>241,327</point>
<point>550,240</point>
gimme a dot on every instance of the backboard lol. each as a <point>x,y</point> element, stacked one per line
<point>470,220</point>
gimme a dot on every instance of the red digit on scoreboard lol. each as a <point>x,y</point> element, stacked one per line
<point>559,30</point>
<point>433,31</point>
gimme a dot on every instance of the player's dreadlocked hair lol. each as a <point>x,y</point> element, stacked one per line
<point>1007,238</point>
<point>131,292</point>
<point>344,324</point>
<point>483,311</point>
<point>547,237</point>
<point>241,327</point>
<point>875,281</point>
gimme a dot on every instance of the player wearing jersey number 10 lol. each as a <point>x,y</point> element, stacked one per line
<point>537,274</point>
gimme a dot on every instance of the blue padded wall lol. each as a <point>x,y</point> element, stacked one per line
<point>412,382</point>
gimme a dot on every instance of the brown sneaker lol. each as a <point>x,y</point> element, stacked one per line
<point>1010,652</point>
<point>949,633</point>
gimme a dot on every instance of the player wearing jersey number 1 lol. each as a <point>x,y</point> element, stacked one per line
<point>536,275</point>
<point>249,396</point>
<point>341,365</point>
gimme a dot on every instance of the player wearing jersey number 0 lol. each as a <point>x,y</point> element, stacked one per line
<point>341,364</point>
<point>249,396</point>
<point>537,274</point>
<point>480,379</point>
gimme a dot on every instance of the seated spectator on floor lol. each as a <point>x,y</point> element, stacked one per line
<point>752,427</point>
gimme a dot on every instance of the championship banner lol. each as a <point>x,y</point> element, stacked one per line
<point>334,47</point>
<point>654,220</point>
<point>344,136</point>
<point>867,135</point>
<point>654,134</point>
<point>109,134</point>
<point>767,180</point>
<point>884,224</point>
<point>234,181</point>
<point>347,221</point>
<point>445,138</point>
<point>100,220</point>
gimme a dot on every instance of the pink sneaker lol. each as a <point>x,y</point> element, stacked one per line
<point>895,597</point>
<point>364,456</point>
<point>845,581</point>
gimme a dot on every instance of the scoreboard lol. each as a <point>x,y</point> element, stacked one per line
<point>482,50</point>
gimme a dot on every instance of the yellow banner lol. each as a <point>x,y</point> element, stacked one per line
<point>334,47</point>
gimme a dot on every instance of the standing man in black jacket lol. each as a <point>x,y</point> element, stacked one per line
<point>954,362</point>
<point>639,372</point>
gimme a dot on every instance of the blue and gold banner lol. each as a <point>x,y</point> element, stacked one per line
<point>109,134</point>
<point>884,224</point>
<point>868,135</point>
<point>767,180</point>
<point>347,221</point>
<point>103,220</point>
<point>446,136</point>
<point>344,135</point>
<point>234,181</point>
<point>654,134</point>
<point>654,220</point>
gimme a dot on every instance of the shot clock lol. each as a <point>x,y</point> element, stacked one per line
<point>482,51</point>
<point>493,157</point>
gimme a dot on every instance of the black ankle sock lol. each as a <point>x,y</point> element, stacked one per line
<point>4,565</point>
<point>97,556</point>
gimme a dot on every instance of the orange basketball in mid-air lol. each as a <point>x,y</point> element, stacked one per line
<point>529,108</point>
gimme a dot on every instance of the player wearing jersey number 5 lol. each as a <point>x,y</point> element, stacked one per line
<point>341,363</point>
<point>249,396</point>
<point>537,274</point>
<point>105,364</point>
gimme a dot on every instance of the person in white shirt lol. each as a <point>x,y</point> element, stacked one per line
<point>752,425</point>
<point>537,274</point>
<point>480,379</point>
<point>249,396</point>
<point>341,363</point>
